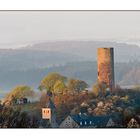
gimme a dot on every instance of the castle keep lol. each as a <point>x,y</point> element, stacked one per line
<point>106,66</point>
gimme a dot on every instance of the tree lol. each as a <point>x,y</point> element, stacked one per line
<point>136,88</point>
<point>16,118</point>
<point>99,88</point>
<point>75,85</point>
<point>59,87</point>
<point>49,81</point>
<point>19,92</point>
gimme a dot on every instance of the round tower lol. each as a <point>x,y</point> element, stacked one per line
<point>106,66</point>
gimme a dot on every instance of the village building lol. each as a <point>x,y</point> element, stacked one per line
<point>21,101</point>
<point>49,114</point>
<point>110,123</point>
<point>53,113</point>
<point>85,92</point>
<point>82,120</point>
<point>133,124</point>
<point>69,123</point>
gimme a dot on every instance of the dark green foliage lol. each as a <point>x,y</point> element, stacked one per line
<point>10,118</point>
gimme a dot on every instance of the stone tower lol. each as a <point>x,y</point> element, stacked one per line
<point>106,66</point>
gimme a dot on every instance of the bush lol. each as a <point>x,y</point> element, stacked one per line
<point>99,88</point>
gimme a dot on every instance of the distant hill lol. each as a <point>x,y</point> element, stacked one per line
<point>24,59</point>
<point>125,74</point>
<point>88,49</point>
<point>48,54</point>
<point>77,59</point>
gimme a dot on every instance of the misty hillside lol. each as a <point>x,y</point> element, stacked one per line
<point>88,49</point>
<point>87,71</point>
<point>28,59</point>
<point>48,54</point>
<point>76,59</point>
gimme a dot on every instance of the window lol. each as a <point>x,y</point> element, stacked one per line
<point>85,122</point>
<point>90,122</point>
<point>80,123</point>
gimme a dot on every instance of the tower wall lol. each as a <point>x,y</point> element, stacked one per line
<point>106,66</point>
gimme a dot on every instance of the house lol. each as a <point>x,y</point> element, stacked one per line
<point>85,92</point>
<point>49,113</point>
<point>25,100</point>
<point>69,123</point>
<point>133,124</point>
<point>82,120</point>
<point>110,123</point>
<point>86,121</point>
<point>22,101</point>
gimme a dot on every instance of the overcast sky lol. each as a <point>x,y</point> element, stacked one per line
<point>19,27</point>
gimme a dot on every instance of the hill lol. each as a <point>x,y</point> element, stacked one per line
<point>87,49</point>
<point>28,65</point>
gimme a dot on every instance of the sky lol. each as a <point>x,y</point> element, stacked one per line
<point>18,28</point>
